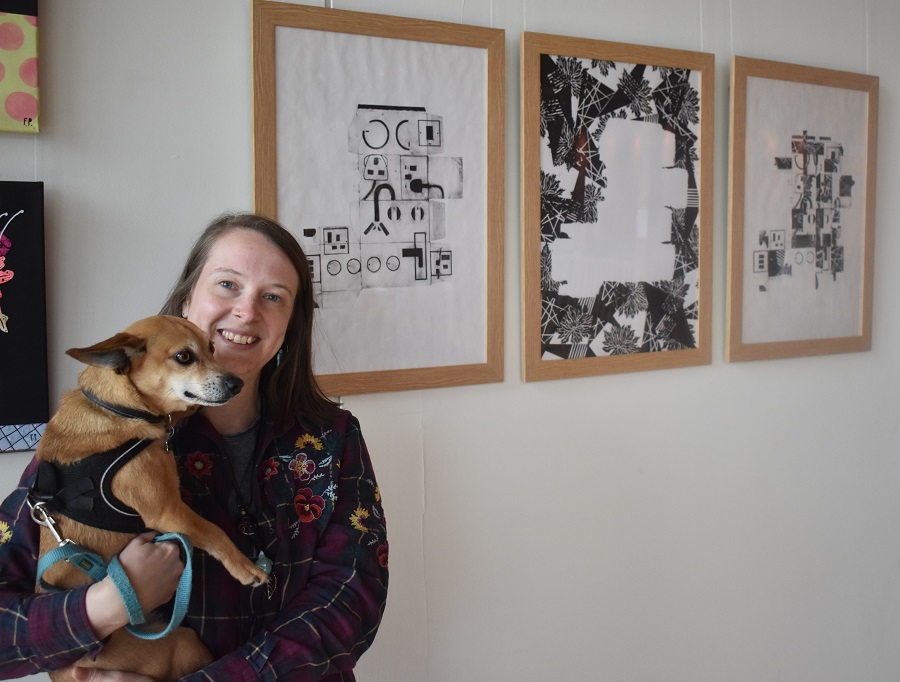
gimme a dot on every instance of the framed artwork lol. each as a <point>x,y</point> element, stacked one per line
<point>801,210</point>
<point>617,170</point>
<point>378,141</point>
<point>24,401</point>
<point>19,101</point>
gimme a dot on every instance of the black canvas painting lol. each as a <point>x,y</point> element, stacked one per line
<point>24,404</point>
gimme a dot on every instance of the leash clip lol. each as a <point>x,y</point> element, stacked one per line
<point>45,520</point>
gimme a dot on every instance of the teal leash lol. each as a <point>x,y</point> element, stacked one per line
<point>90,563</point>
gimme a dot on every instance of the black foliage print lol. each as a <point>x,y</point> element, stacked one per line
<point>579,97</point>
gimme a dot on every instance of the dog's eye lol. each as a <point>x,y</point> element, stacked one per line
<point>184,357</point>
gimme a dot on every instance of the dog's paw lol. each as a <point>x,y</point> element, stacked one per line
<point>250,574</point>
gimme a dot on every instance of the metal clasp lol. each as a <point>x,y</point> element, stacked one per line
<point>41,516</point>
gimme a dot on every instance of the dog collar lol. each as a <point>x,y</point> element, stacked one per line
<point>126,412</point>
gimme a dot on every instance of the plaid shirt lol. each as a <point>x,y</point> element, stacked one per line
<point>321,522</point>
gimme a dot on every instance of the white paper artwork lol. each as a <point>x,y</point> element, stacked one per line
<point>803,217</point>
<point>381,171</point>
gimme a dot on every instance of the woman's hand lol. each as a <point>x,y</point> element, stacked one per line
<point>153,568</point>
<point>94,675</point>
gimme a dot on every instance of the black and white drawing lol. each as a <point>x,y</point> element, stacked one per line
<point>619,207</point>
<point>808,244</point>
<point>380,168</point>
<point>397,230</point>
<point>801,188</point>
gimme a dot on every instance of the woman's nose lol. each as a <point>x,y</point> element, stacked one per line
<point>245,310</point>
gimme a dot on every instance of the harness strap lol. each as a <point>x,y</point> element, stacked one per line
<point>93,565</point>
<point>82,490</point>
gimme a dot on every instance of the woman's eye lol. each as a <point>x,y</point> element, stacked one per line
<point>273,297</point>
<point>225,284</point>
<point>184,357</point>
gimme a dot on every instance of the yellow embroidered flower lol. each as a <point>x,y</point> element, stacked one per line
<point>357,518</point>
<point>307,440</point>
<point>5,533</point>
<point>377,493</point>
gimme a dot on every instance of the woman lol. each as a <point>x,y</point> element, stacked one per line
<point>280,468</point>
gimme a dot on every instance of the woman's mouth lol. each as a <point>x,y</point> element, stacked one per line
<point>239,339</point>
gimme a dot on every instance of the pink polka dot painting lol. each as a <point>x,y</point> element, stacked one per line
<point>19,100</point>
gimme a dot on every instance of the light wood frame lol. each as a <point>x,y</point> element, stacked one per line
<point>799,108</point>
<point>267,17</point>
<point>535,364</point>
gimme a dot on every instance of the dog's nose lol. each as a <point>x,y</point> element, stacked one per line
<point>233,383</point>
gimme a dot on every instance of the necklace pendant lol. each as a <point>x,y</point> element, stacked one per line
<point>246,525</point>
<point>263,562</point>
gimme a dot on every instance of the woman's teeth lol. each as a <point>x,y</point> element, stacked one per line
<point>238,339</point>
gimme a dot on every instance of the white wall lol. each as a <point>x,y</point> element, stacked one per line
<point>729,522</point>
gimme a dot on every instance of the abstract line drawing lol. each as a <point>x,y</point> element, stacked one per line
<point>583,103</point>
<point>813,220</point>
<point>24,405</point>
<point>378,141</point>
<point>801,210</point>
<point>397,222</point>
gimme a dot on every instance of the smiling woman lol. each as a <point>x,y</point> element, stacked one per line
<point>281,469</point>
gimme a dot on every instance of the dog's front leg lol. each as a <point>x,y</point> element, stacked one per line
<point>149,485</point>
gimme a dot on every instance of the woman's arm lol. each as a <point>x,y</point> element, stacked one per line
<point>43,631</point>
<point>52,630</point>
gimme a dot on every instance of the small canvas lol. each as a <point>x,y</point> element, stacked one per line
<point>20,110</point>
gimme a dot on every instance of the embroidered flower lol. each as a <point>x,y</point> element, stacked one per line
<point>268,469</point>
<point>357,519</point>
<point>377,493</point>
<point>307,440</point>
<point>302,467</point>
<point>382,554</point>
<point>198,465</point>
<point>5,533</point>
<point>309,507</point>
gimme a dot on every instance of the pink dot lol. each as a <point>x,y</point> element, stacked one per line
<point>11,36</point>
<point>31,20</point>
<point>28,72</point>
<point>21,105</point>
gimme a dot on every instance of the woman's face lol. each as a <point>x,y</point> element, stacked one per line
<point>243,299</point>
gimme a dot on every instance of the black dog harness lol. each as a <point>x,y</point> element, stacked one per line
<point>83,490</point>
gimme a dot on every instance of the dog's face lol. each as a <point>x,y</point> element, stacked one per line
<point>168,360</point>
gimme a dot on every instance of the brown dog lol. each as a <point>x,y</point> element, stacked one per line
<point>136,384</point>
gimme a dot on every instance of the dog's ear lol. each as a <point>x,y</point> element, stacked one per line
<point>114,353</point>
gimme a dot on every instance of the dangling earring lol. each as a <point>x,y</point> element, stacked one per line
<point>279,357</point>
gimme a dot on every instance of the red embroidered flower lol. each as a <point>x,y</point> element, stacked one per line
<point>302,467</point>
<point>309,507</point>
<point>268,469</point>
<point>198,465</point>
<point>382,554</point>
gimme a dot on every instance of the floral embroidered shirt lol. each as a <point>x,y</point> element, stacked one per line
<point>320,521</point>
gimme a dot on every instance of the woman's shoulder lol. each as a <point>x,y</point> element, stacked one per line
<point>340,422</point>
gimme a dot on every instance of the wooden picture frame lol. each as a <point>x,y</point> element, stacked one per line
<point>801,210</point>
<point>378,141</point>
<point>617,172</point>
